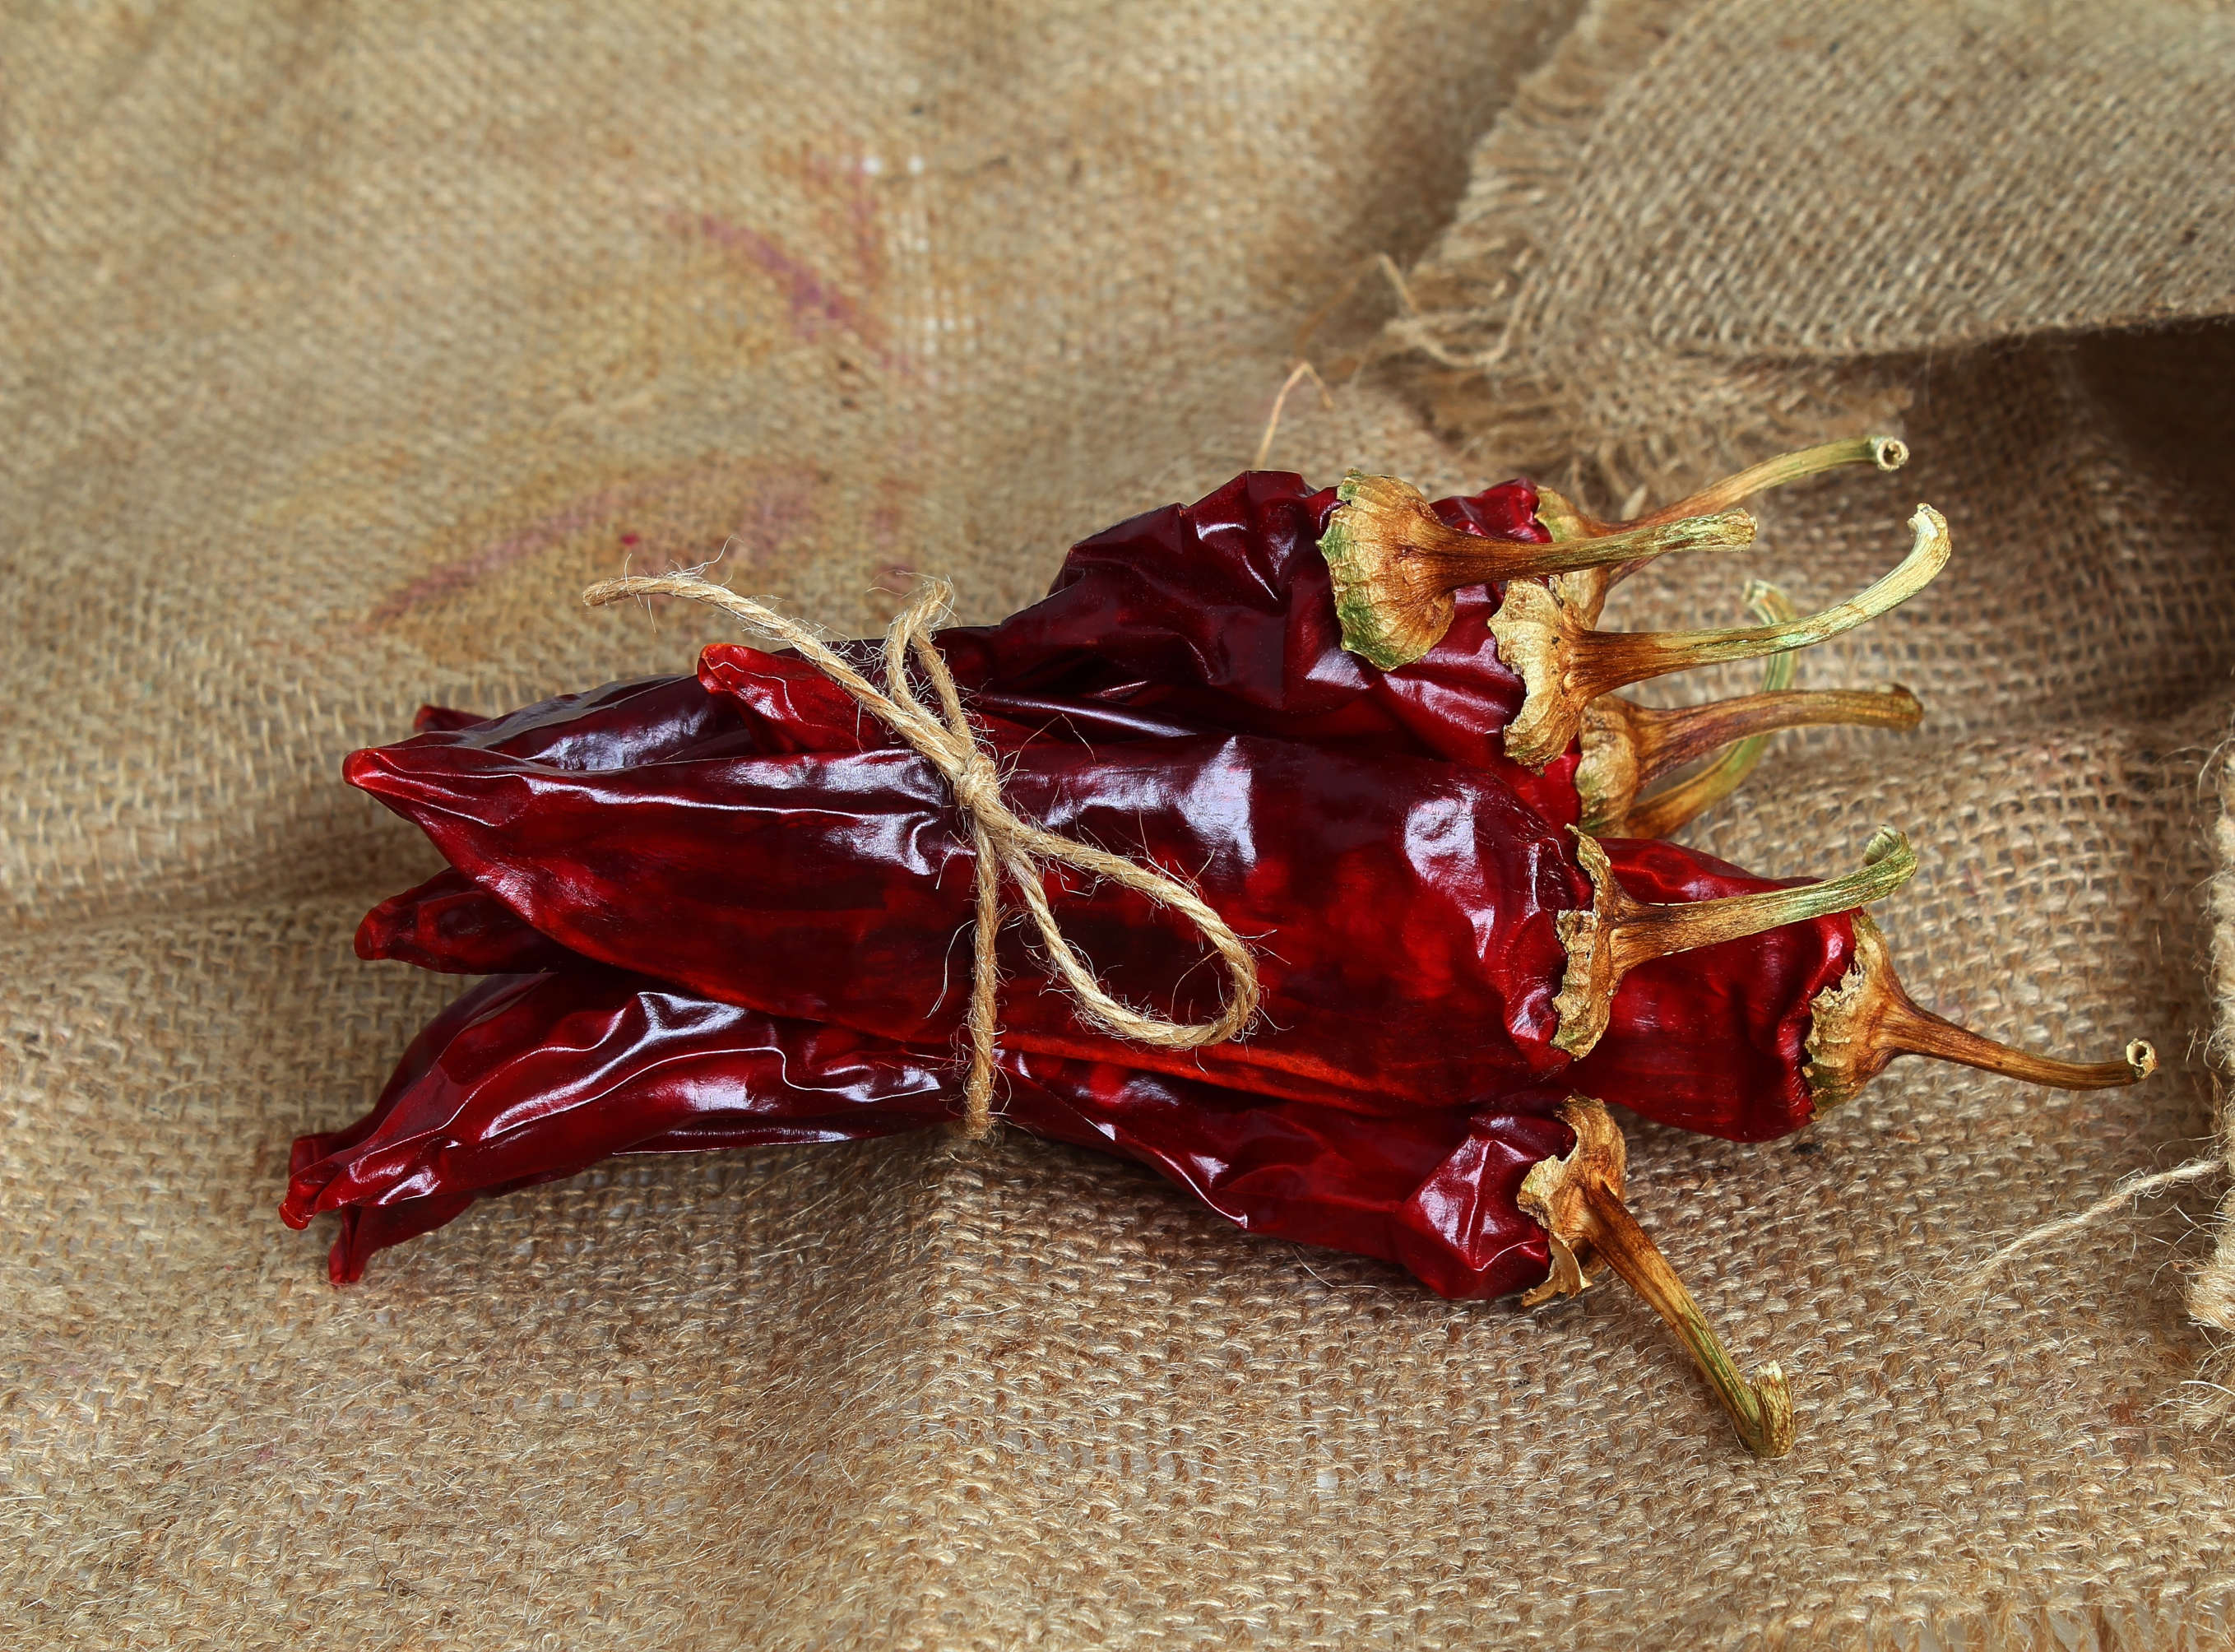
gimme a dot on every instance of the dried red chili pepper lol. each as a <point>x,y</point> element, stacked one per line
<point>1220,617</point>
<point>1414,948</point>
<point>464,809</point>
<point>451,924</point>
<point>1752,1038</point>
<point>535,1078</point>
<point>1225,615</point>
<point>530,1079</point>
<point>1748,1039</point>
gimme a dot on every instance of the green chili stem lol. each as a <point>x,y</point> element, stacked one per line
<point>1667,739</point>
<point>1647,931</point>
<point>1887,453</point>
<point>1602,661</point>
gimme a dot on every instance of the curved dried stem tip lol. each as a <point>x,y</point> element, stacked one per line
<point>1618,933</point>
<point>1866,1018</point>
<point>1563,520</point>
<point>1578,1201</point>
<point>1565,664</point>
<point>1395,562</point>
<point>1887,453</point>
<point>1625,744</point>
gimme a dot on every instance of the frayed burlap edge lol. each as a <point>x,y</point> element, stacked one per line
<point>1491,349</point>
<point>1478,346</point>
<point>2212,1294</point>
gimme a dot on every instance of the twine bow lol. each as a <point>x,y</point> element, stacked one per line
<point>1003,843</point>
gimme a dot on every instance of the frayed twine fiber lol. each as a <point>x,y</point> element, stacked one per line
<point>1003,841</point>
<point>2136,1186</point>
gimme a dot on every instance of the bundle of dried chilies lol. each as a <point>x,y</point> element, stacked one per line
<point>1376,737</point>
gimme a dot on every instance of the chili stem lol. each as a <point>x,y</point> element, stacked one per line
<point>1760,1410</point>
<point>1863,1020</point>
<point>1566,666</point>
<point>1617,933</point>
<point>1394,562</point>
<point>1605,661</point>
<point>1577,1201</point>
<point>1668,809</point>
<point>1887,453</point>
<point>1669,740</point>
<point>1624,745</point>
<point>1907,1029</point>
<point>1644,931</point>
<point>1563,520</point>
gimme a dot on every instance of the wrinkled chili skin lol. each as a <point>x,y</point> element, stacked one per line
<point>530,1079</point>
<point>1221,614</point>
<point>1214,616</point>
<point>1404,910</point>
<point>1218,616</point>
<point>1715,1040</point>
<point>451,924</point>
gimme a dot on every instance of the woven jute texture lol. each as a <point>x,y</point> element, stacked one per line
<point>343,345</point>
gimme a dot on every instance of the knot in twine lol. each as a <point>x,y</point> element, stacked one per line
<point>1003,843</point>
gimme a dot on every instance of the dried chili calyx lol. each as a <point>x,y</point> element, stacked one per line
<point>1566,665</point>
<point>1586,591</point>
<point>1578,1200</point>
<point>1864,1021</point>
<point>1395,562</point>
<point>1618,932</point>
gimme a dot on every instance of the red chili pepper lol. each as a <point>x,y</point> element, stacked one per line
<point>1725,1040</point>
<point>1409,910</point>
<point>1751,1038</point>
<point>1221,617</point>
<point>528,1079</point>
<point>1387,896</point>
<point>1428,945</point>
<point>1226,615</point>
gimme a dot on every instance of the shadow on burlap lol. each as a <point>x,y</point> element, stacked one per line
<point>344,350</point>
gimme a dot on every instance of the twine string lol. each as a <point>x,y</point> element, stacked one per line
<point>1002,843</point>
<point>2135,1187</point>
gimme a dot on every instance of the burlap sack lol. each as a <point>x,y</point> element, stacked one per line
<point>342,348</point>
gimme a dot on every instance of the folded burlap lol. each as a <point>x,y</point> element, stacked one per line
<point>341,349</point>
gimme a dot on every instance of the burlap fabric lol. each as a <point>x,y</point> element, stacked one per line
<point>342,347</point>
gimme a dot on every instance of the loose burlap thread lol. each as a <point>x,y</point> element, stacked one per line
<point>427,325</point>
<point>1001,840</point>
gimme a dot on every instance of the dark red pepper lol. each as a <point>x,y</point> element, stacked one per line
<point>528,1079</point>
<point>1401,894</point>
<point>1752,1038</point>
<point>1428,871</point>
<point>1225,615</point>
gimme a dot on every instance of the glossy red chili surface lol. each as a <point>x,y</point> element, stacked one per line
<point>1715,1040</point>
<point>792,886</point>
<point>528,1079</point>
<point>1403,910</point>
<point>1218,616</point>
